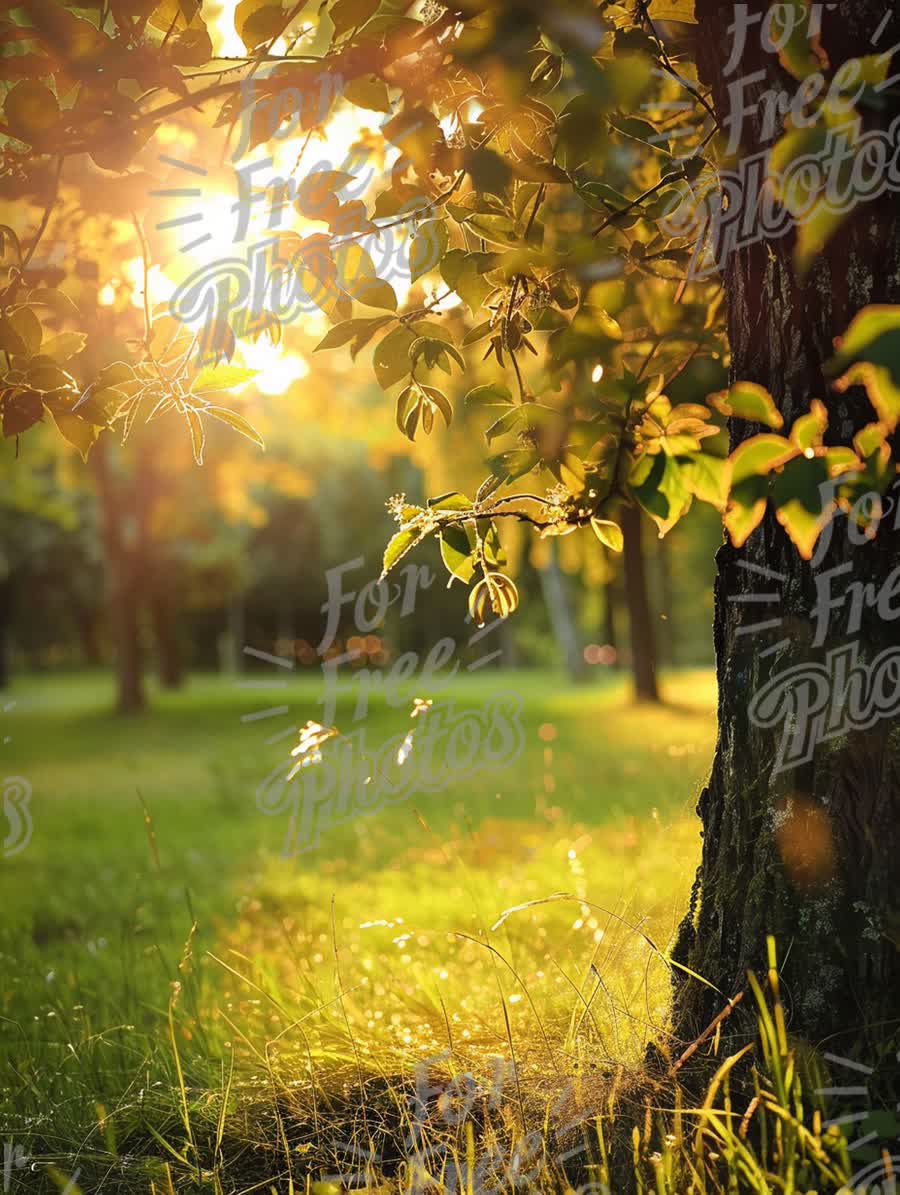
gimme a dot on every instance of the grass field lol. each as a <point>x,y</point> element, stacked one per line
<point>182,1007</point>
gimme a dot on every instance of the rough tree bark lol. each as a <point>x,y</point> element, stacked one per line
<point>643,639</point>
<point>808,854</point>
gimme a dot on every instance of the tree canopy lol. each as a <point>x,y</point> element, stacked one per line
<point>527,208</point>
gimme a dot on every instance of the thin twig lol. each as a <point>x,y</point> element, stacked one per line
<point>45,219</point>
<point>708,1031</point>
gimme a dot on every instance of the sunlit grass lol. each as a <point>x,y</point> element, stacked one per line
<point>401,903</point>
<point>184,1007</point>
<point>185,1010</point>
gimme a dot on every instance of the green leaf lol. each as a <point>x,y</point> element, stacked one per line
<point>797,53</point>
<point>236,421</point>
<point>800,481</point>
<point>408,401</point>
<point>797,495</point>
<point>57,300</point>
<point>64,345</point>
<point>747,400</point>
<point>441,401</point>
<point>504,424</point>
<point>673,10</point>
<point>350,217</point>
<point>490,173</point>
<point>368,92</point>
<point>453,500</point>
<point>479,332</point>
<point>428,247</point>
<point>492,395</point>
<point>45,375</point>
<point>571,472</point>
<point>360,331</point>
<point>191,47</point>
<point>662,492</point>
<point>808,430</point>
<point>117,373</point>
<point>400,199</point>
<point>337,336</point>
<point>460,271</point>
<point>456,553</point>
<point>759,456</point>
<point>609,534</point>
<point>509,466</point>
<point>21,410</point>
<point>373,292</point>
<point>746,507</point>
<point>391,357</point>
<point>416,132</point>
<point>96,405</point>
<point>816,217</point>
<point>198,435</point>
<point>78,432</point>
<point>31,111</point>
<point>258,21</point>
<point>870,440</point>
<point>436,353</point>
<point>869,355</point>
<point>497,229</point>
<point>708,478</point>
<point>28,326</point>
<point>490,542</point>
<point>398,546</point>
<point>8,236</point>
<point>351,14</point>
<point>317,194</point>
<point>843,459</point>
<point>10,340</point>
<point>353,263</point>
<point>168,337</point>
<point>221,377</point>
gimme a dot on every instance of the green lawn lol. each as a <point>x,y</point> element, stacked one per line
<point>363,956</point>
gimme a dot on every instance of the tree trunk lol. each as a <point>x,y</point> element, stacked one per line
<point>559,610</point>
<point>87,633</point>
<point>807,853</point>
<point>164,619</point>
<point>233,657</point>
<point>6,601</point>
<point>609,618</point>
<point>643,640</point>
<point>123,584</point>
<point>666,630</point>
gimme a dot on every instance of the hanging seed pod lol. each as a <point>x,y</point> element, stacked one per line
<point>495,592</point>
